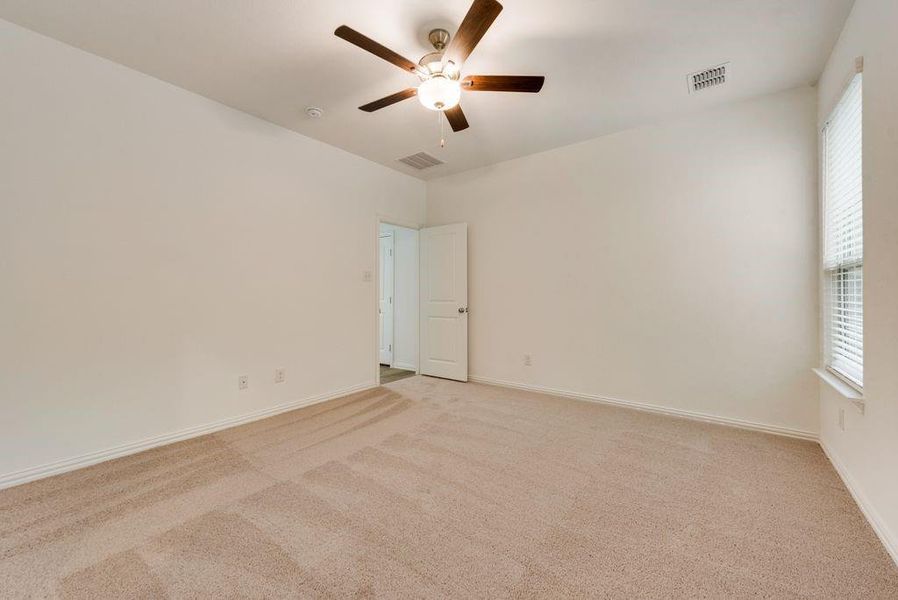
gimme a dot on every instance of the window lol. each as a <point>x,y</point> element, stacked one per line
<point>843,239</point>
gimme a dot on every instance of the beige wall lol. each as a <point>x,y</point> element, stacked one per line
<point>155,245</point>
<point>674,265</point>
<point>866,452</point>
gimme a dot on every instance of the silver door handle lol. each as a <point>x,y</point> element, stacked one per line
<point>463,310</point>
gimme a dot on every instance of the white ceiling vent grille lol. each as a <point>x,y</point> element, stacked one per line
<point>708,78</point>
<point>421,160</point>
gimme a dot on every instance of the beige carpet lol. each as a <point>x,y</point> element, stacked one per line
<point>428,488</point>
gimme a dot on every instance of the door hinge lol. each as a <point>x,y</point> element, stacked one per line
<point>391,347</point>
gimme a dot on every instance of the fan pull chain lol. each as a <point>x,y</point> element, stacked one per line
<point>441,118</point>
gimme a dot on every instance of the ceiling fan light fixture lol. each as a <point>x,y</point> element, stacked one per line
<point>439,93</point>
<point>440,70</point>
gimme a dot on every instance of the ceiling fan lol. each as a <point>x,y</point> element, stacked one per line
<point>440,70</point>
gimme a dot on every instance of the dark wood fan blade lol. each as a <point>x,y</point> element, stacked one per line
<point>503,83</point>
<point>365,43</point>
<point>456,118</point>
<point>479,18</point>
<point>391,99</point>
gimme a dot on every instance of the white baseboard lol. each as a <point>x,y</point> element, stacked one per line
<point>405,366</point>
<point>654,408</point>
<point>92,458</point>
<point>885,535</point>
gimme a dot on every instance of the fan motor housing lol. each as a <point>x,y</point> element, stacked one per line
<point>433,66</point>
<point>433,61</point>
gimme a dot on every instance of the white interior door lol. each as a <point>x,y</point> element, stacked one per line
<point>386,299</point>
<point>444,301</point>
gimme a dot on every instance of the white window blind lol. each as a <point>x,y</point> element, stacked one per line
<point>843,258</point>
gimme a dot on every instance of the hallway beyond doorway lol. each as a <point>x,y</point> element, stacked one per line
<point>389,374</point>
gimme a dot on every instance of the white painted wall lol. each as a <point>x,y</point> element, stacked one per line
<point>155,245</point>
<point>405,280</point>
<point>673,265</point>
<point>867,451</point>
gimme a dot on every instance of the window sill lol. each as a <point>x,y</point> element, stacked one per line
<point>846,391</point>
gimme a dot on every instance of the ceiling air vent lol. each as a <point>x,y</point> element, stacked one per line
<point>708,78</point>
<point>421,160</point>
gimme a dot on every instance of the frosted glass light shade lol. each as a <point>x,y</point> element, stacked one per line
<point>439,93</point>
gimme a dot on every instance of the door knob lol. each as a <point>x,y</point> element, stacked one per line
<point>463,310</point>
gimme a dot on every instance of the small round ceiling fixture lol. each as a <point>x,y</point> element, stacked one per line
<point>314,112</point>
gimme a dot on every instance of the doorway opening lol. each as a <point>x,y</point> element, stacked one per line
<point>397,309</point>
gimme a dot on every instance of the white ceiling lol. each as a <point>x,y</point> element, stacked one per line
<point>609,64</point>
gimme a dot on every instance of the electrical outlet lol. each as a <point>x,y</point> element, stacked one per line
<point>528,361</point>
<point>367,276</point>
<point>242,382</point>
<point>842,419</point>
<point>280,375</point>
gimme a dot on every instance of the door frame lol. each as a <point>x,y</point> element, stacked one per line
<point>391,293</point>
<point>375,296</point>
